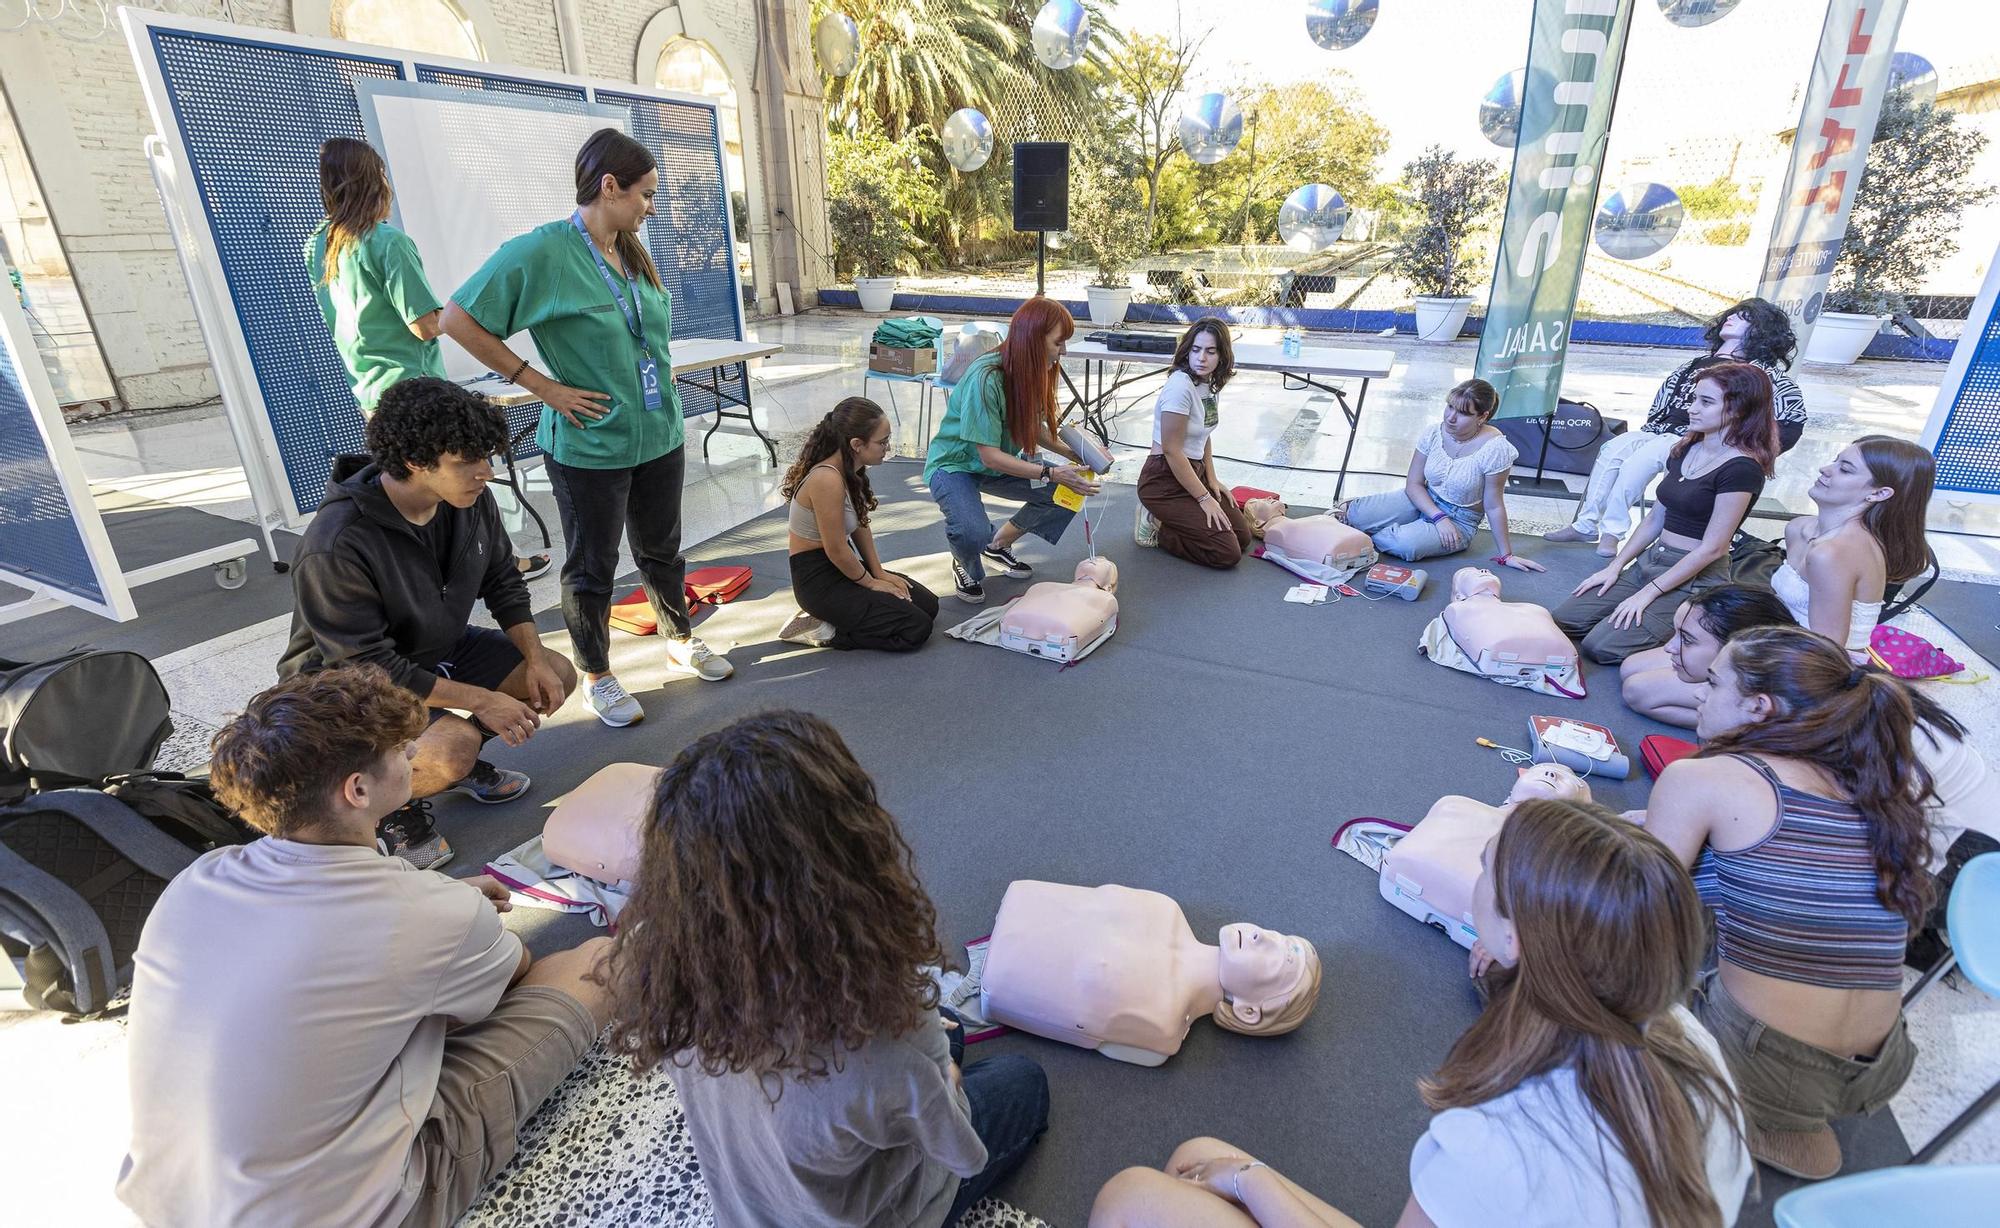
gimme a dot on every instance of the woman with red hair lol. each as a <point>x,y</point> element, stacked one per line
<point>1001,412</point>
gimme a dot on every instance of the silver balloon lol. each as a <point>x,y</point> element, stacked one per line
<point>968,139</point>
<point>1500,109</point>
<point>1638,220</point>
<point>1913,74</point>
<point>1339,24</point>
<point>1312,218</point>
<point>837,42</point>
<point>1692,13</point>
<point>1211,127</point>
<point>1061,34</point>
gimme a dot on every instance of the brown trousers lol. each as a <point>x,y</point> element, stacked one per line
<point>1184,529</point>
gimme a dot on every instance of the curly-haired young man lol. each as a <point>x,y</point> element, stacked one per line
<point>387,575</point>
<point>321,1034</point>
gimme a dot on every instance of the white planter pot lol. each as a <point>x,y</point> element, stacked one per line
<point>878,294</point>
<point>1838,337</point>
<point>1108,304</point>
<point>1440,319</point>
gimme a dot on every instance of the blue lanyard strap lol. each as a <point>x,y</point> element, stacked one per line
<point>628,308</point>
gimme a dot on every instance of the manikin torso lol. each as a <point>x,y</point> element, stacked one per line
<point>1311,539</point>
<point>1074,613</point>
<point>597,828</point>
<point>1486,627</point>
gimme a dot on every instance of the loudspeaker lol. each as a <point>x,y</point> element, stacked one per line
<point>1041,185</point>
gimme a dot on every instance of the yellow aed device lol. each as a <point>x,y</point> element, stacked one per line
<point>1067,498</point>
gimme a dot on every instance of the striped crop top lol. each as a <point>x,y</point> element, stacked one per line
<point>1800,904</point>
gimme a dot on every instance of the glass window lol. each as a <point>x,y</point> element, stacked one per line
<point>436,26</point>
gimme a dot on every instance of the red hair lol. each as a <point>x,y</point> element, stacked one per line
<point>1027,372</point>
<point>1749,423</point>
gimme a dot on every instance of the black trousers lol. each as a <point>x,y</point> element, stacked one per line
<point>596,504</point>
<point>861,617</point>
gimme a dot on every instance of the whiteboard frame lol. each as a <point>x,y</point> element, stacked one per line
<point>1954,380</point>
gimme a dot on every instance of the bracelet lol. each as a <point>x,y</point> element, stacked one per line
<point>1436,518</point>
<point>1206,496</point>
<point>1501,559</point>
<point>517,371</point>
<point>1236,1178</point>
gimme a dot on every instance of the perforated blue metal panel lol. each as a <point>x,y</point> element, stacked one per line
<point>1968,446</point>
<point>252,117</point>
<point>38,535</point>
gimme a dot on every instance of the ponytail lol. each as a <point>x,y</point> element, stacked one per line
<point>853,418</point>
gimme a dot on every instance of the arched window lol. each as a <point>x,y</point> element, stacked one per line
<point>691,66</point>
<point>437,26</point>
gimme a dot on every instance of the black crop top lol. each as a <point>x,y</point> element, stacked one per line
<point>1690,503</point>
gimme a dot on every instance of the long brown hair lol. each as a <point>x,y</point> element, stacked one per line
<point>854,418</point>
<point>611,152</point>
<point>1898,521</point>
<point>777,920</point>
<point>354,188</point>
<point>1855,724</point>
<point>1029,376</point>
<point>1611,935</point>
<point>1225,353</point>
<point>1750,424</point>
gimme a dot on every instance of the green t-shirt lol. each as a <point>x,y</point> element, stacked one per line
<point>375,295</point>
<point>975,413</point>
<point>546,281</point>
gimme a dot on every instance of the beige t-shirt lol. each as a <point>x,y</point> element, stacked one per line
<point>289,1004</point>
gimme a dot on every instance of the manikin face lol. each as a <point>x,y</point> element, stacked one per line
<point>1548,780</point>
<point>874,449</point>
<point>1845,482</point>
<point>1261,970</point>
<point>1467,581</point>
<point>1692,647</point>
<point>1705,412</point>
<point>1101,572</point>
<point>1264,511</point>
<point>1202,355</point>
<point>1462,424</point>
<point>628,208</point>
<point>455,479</point>
<point>1496,933</point>
<point>1723,705</point>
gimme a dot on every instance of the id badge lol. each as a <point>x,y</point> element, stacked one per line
<point>649,381</point>
<point>1210,414</point>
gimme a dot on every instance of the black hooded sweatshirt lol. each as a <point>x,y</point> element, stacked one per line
<point>367,588</point>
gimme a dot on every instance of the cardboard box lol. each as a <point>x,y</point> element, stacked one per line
<point>892,361</point>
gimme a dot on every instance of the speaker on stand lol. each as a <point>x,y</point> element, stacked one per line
<point>1041,194</point>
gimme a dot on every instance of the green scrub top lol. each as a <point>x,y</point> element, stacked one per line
<point>975,413</point>
<point>376,294</point>
<point>547,282</point>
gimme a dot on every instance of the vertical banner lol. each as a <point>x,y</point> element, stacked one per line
<point>1575,50</point>
<point>1829,150</point>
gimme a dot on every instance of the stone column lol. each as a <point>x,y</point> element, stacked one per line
<point>791,113</point>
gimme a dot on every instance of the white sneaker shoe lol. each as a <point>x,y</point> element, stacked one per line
<point>1146,530</point>
<point>698,659</point>
<point>612,705</point>
<point>807,630</point>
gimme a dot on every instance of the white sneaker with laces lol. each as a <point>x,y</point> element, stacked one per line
<point>613,706</point>
<point>807,630</point>
<point>698,659</point>
<point>1146,530</point>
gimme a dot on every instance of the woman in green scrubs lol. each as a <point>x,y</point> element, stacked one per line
<point>369,280</point>
<point>587,292</point>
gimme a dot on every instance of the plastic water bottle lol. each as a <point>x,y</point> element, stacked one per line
<point>1294,342</point>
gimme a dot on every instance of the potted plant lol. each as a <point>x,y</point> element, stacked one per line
<point>1107,223</point>
<point>1905,218</point>
<point>869,237</point>
<point>1451,198</point>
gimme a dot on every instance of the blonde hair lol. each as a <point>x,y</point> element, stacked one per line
<point>1286,1018</point>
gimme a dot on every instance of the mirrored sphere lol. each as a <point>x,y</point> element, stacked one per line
<point>1339,24</point>
<point>1914,75</point>
<point>1638,220</point>
<point>1211,127</point>
<point>837,42</point>
<point>1696,12</point>
<point>968,139</point>
<point>1312,218</point>
<point>1061,34</point>
<point>1500,109</point>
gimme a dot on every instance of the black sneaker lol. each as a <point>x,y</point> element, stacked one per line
<point>1005,560</point>
<point>970,591</point>
<point>409,833</point>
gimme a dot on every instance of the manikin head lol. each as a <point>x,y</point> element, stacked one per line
<point>1270,981</point>
<point>1548,780</point>
<point>1474,582</point>
<point>1264,511</point>
<point>1101,572</point>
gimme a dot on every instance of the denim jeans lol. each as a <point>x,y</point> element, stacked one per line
<point>966,526</point>
<point>1009,1095</point>
<point>644,502</point>
<point>1399,529</point>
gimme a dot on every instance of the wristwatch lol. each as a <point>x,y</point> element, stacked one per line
<point>1046,468</point>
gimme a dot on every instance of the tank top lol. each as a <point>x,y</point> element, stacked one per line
<point>1800,904</point>
<point>806,525</point>
<point>1792,589</point>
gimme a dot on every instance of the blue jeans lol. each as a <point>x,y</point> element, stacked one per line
<point>966,526</point>
<point>1010,1109</point>
<point>1398,529</point>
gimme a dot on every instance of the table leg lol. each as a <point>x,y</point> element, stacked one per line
<point>1353,432</point>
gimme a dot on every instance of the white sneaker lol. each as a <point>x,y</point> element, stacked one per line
<point>612,705</point>
<point>807,630</point>
<point>1146,530</point>
<point>698,659</point>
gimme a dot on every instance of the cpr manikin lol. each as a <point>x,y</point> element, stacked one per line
<point>1064,621</point>
<point>1316,547</point>
<point>597,829</point>
<point>1429,872</point>
<point>1118,970</point>
<point>1516,643</point>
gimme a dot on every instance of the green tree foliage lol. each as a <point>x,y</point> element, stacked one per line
<point>1451,199</point>
<point>1145,79</point>
<point>1107,216</point>
<point>879,193</point>
<point>1719,199</point>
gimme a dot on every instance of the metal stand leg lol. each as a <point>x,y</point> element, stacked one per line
<point>1957,1126</point>
<point>1353,432</point>
<point>1929,978</point>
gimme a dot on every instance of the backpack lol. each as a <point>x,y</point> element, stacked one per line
<point>79,873</point>
<point>78,718</point>
<point>184,807</point>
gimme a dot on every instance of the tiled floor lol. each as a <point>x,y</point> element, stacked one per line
<point>185,457</point>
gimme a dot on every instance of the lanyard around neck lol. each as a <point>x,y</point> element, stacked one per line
<point>628,308</point>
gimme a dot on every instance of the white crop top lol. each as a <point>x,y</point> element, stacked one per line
<point>1196,403</point>
<point>1792,589</point>
<point>1462,479</point>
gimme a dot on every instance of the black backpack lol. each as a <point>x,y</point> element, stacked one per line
<point>79,873</point>
<point>184,807</point>
<point>77,719</point>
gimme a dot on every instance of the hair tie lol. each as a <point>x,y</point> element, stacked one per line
<point>1855,675</point>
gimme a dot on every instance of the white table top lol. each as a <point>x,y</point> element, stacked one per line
<point>1251,356</point>
<point>691,356</point>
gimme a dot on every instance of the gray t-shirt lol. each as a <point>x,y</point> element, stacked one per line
<point>879,1143</point>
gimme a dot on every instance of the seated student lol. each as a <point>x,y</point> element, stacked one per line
<point>1714,474</point>
<point>1183,507</point>
<point>321,1034</point>
<point>1802,815</point>
<point>1665,682</point>
<point>1869,530</point>
<point>1458,475</point>
<point>1002,411</point>
<point>846,598</point>
<point>1585,1095</point>
<point>386,575</point>
<point>772,958</point>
